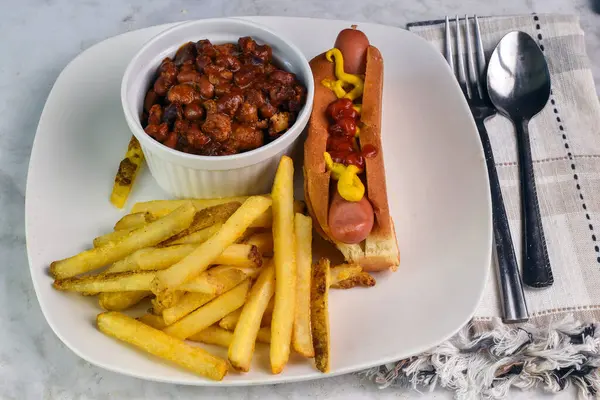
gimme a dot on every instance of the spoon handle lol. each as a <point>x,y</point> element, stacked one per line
<point>514,306</point>
<point>536,263</point>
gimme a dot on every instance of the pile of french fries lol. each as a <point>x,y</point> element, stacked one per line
<point>228,272</point>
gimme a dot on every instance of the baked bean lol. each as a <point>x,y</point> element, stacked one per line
<point>181,126</point>
<point>298,99</point>
<point>171,140</point>
<point>183,94</point>
<point>222,89</point>
<point>247,44</point>
<point>267,110</point>
<point>195,137</point>
<point>245,76</point>
<point>188,76</point>
<point>286,78</point>
<point>229,104</point>
<point>202,62</point>
<point>269,68</point>
<point>245,137</point>
<point>247,113</point>
<point>155,115</point>
<point>206,89</point>
<point>193,112</point>
<point>228,61</point>
<point>162,86</point>
<point>168,69</point>
<point>210,106</point>
<point>150,99</point>
<point>158,132</point>
<point>172,113</point>
<point>263,52</point>
<point>187,52</point>
<point>280,93</point>
<point>217,126</point>
<point>205,48</point>
<point>256,97</point>
<point>225,48</point>
<point>217,74</point>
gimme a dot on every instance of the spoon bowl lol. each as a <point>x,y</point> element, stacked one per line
<point>518,82</point>
<point>518,77</point>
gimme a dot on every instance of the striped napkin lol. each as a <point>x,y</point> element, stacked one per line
<point>559,344</point>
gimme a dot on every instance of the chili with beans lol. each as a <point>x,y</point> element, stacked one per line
<point>221,99</point>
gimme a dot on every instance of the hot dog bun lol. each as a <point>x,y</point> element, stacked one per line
<point>379,250</point>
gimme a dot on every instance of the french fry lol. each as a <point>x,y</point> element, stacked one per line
<point>161,345</point>
<point>210,313</point>
<point>342,272</point>
<point>159,208</point>
<point>121,282</point>
<point>362,279</point>
<point>206,253</point>
<point>191,301</point>
<point>302,337</point>
<point>127,172</point>
<point>149,235</point>
<point>157,306</point>
<point>263,242</point>
<point>119,301</point>
<point>285,264</point>
<point>206,218</point>
<point>216,279</point>
<point>167,299</point>
<point>135,220</point>
<point>221,337</point>
<point>346,276</point>
<point>240,255</point>
<point>113,237</point>
<point>188,303</point>
<point>155,321</point>
<point>264,335</point>
<point>241,348</point>
<point>268,315</point>
<point>319,298</point>
<point>160,258</point>
<point>266,220</point>
<point>230,321</point>
<point>198,237</point>
<point>213,335</point>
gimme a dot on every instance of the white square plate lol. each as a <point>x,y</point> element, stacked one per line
<point>437,184</point>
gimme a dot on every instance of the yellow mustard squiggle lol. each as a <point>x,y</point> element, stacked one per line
<point>336,86</point>
<point>349,185</point>
<point>335,55</point>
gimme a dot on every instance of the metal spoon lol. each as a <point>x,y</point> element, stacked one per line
<point>518,83</point>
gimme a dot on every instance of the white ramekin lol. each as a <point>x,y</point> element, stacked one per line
<point>188,175</point>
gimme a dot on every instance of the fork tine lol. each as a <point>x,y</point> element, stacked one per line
<point>480,57</point>
<point>473,83</point>
<point>448,51</point>
<point>462,78</point>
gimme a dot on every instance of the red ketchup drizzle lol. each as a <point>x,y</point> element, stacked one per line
<point>341,144</point>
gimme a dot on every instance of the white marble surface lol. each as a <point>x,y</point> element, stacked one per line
<point>37,39</point>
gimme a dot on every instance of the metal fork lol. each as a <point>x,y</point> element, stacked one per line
<point>475,91</point>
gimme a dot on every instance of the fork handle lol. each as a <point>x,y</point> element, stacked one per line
<point>513,299</point>
<point>536,263</point>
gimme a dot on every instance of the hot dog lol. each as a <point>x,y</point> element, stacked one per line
<point>344,177</point>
